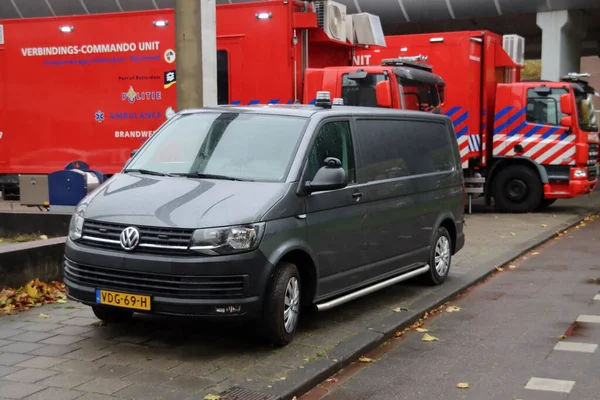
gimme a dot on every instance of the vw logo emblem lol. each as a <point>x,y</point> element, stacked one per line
<point>130,238</point>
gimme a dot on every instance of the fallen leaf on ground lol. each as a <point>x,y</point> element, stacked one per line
<point>400,309</point>
<point>428,338</point>
<point>212,397</point>
<point>333,380</point>
<point>512,266</point>
<point>365,360</point>
<point>462,385</point>
<point>500,269</point>
<point>421,330</point>
<point>513,234</point>
<point>398,334</point>
<point>32,294</point>
<point>452,309</point>
<point>563,336</point>
<point>544,225</point>
<point>535,253</point>
<point>42,315</point>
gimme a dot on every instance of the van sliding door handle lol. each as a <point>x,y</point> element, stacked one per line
<point>357,194</point>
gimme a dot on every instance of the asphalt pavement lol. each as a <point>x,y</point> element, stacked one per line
<point>66,354</point>
<point>530,331</point>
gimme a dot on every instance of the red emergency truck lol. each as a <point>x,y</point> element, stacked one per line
<point>524,144</point>
<point>95,87</point>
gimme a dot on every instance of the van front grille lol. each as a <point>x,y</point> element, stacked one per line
<point>152,240</point>
<point>180,286</point>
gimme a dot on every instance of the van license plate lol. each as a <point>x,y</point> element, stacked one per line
<point>125,300</point>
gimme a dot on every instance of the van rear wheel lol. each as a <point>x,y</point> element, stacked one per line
<point>282,305</point>
<point>517,189</point>
<point>440,257</point>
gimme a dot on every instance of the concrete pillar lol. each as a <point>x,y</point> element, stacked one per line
<point>562,34</point>
<point>196,53</point>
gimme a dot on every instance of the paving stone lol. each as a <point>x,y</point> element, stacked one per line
<point>143,392</point>
<point>13,358</point>
<point>31,336</point>
<point>194,369</point>
<point>72,330</point>
<point>66,381</point>
<point>132,339</point>
<point>157,364</point>
<point>4,370</point>
<point>115,371</point>
<point>150,377</point>
<point>219,375</point>
<point>79,321</point>
<point>41,362</point>
<point>188,383</point>
<point>55,394</point>
<point>20,347</point>
<point>15,325</point>
<point>87,354</point>
<point>103,386</point>
<point>30,375</point>
<point>18,390</point>
<point>63,339</point>
<point>42,327</point>
<point>94,343</point>
<point>77,367</point>
<point>6,333</point>
<point>97,396</point>
<point>54,350</point>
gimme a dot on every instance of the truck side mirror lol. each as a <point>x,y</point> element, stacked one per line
<point>566,121</point>
<point>384,94</point>
<point>442,93</point>
<point>565,104</point>
<point>330,177</point>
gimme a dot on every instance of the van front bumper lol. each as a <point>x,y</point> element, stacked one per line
<point>230,287</point>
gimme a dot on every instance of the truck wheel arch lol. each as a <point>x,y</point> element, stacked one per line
<point>517,160</point>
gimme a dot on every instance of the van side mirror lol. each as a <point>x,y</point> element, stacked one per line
<point>442,93</point>
<point>330,177</point>
<point>566,104</point>
<point>566,121</point>
<point>133,152</point>
<point>384,94</point>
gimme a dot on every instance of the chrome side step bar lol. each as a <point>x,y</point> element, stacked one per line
<point>371,289</point>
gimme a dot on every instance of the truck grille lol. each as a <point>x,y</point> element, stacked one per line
<point>181,286</point>
<point>592,160</point>
<point>152,240</point>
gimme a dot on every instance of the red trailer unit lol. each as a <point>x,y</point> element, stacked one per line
<point>95,87</point>
<point>524,144</point>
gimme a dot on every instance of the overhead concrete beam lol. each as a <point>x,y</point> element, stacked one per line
<point>562,34</point>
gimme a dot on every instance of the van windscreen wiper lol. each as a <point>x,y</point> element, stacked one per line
<point>211,176</point>
<point>146,172</point>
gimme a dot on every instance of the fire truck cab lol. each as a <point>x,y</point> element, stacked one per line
<point>396,83</point>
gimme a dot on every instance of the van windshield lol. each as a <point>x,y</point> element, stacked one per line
<point>242,146</point>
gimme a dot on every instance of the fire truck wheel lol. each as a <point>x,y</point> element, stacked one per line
<point>517,189</point>
<point>112,315</point>
<point>282,305</point>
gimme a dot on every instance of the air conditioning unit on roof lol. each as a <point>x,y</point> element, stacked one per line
<point>514,45</point>
<point>331,16</point>
<point>368,29</point>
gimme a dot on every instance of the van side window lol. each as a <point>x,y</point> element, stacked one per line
<point>394,148</point>
<point>544,110</point>
<point>333,140</point>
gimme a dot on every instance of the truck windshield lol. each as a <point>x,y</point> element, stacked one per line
<point>361,92</point>
<point>586,114</point>
<point>418,95</point>
<point>226,145</point>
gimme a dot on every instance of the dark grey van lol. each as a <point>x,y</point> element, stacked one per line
<point>250,213</point>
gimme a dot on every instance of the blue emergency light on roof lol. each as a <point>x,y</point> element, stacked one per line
<point>66,29</point>
<point>264,15</point>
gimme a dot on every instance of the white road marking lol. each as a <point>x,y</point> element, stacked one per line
<point>576,346</point>
<point>597,297</point>
<point>550,385</point>
<point>594,319</point>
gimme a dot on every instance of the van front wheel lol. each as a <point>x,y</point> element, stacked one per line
<point>440,257</point>
<point>282,305</point>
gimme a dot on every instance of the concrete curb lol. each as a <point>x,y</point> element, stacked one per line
<point>302,380</point>
<point>22,262</point>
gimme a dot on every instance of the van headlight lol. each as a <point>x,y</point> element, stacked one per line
<point>227,240</point>
<point>76,225</point>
